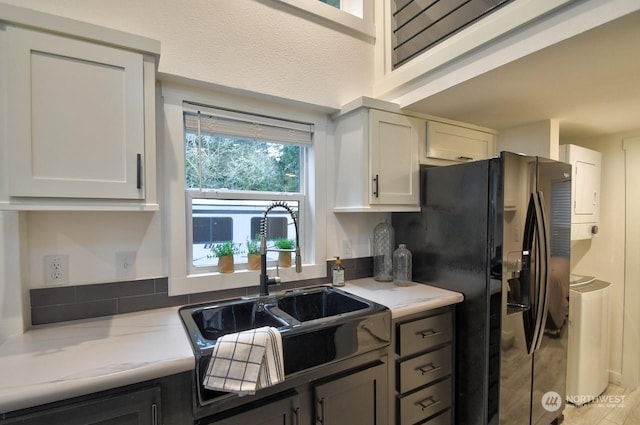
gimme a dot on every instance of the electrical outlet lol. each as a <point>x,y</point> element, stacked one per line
<point>56,269</point>
<point>126,264</point>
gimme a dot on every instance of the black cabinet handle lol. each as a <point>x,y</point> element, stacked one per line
<point>296,413</point>
<point>376,182</point>
<point>428,368</point>
<point>428,333</point>
<point>427,403</point>
<point>139,171</point>
<point>320,415</point>
<point>154,414</point>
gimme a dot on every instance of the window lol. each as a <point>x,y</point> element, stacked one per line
<point>236,165</point>
<point>210,229</point>
<point>305,126</point>
<point>350,15</point>
<point>334,3</point>
<point>352,7</point>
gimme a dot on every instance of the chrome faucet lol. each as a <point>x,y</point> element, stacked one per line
<point>265,280</point>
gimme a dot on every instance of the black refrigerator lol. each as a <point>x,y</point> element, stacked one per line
<point>498,231</point>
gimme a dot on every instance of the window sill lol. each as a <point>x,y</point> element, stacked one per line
<point>347,23</point>
<point>206,282</point>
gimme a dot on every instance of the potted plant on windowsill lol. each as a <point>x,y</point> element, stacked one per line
<point>225,252</point>
<point>284,257</point>
<point>253,254</point>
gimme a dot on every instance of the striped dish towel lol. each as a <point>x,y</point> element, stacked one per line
<point>246,361</point>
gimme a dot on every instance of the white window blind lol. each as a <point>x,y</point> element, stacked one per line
<point>206,120</point>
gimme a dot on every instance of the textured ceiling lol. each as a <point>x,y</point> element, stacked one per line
<point>590,83</point>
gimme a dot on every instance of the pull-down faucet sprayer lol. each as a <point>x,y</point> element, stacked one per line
<point>265,280</point>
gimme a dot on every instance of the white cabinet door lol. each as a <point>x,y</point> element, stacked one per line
<point>585,189</point>
<point>76,118</point>
<point>587,177</point>
<point>377,161</point>
<point>449,144</point>
<point>394,145</point>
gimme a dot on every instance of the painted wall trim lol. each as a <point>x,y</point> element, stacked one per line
<point>631,337</point>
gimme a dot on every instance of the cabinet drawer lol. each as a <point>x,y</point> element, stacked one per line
<point>424,369</point>
<point>420,335</point>
<point>444,418</point>
<point>424,403</point>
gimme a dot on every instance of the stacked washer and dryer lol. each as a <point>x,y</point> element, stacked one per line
<point>588,353</point>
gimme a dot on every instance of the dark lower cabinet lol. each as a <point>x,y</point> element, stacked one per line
<point>424,368</point>
<point>334,395</point>
<point>354,397</point>
<point>139,407</point>
<point>357,398</point>
<point>162,401</point>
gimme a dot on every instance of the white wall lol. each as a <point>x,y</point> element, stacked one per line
<point>257,45</point>
<point>539,138</point>
<point>11,291</point>
<point>604,255</point>
<point>92,240</point>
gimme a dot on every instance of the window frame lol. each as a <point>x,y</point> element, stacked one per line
<point>244,126</point>
<point>354,16</point>
<point>175,91</point>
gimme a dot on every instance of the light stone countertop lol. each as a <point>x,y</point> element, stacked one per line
<point>58,361</point>
<point>402,300</point>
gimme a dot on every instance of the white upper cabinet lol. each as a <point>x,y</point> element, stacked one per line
<point>80,123</point>
<point>377,161</point>
<point>394,166</point>
<point>77,117</point>
<point>585,189</point>
<point>451,144</point>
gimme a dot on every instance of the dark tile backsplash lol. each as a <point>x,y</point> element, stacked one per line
<point>50,305</point>
<point>354,268</point>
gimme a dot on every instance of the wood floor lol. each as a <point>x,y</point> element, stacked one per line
<point>619,406</point>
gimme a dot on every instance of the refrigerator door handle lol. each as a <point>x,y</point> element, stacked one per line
<point>535,258</point>
<point>545,260</point>
<point>525,275</point>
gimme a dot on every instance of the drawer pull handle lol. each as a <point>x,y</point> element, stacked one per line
<point>428,368</point>
<point>320,415</point>
<point>429,332</point>
<point>427,403</point>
